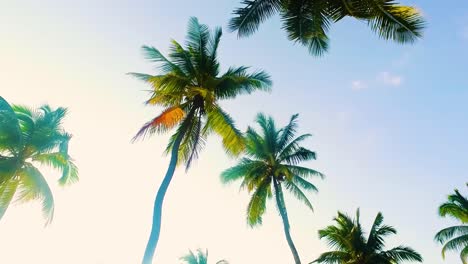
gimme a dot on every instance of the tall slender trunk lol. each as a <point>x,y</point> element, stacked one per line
<point>284,216</point>
<point>158,203</point>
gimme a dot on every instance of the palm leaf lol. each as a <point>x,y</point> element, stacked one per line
<point>7,192</point>
<point>221,123</point>
<point>248,18</point>
<point>10,133</point>
<point>33,186</point>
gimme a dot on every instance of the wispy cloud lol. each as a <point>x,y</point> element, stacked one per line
<point>463,33</point>
<point>358,85</point>
<point>389,78</point>
<point>384,78</point>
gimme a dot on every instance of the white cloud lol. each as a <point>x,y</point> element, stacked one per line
<point>358,85</point>
<point>388,78</point>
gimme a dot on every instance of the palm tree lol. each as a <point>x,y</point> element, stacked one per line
<point>29,137</point>
<point>271,163</point>
<point>455,237</point>
<point>189,89</point>
<point>199,258</point>
<point>308,21</point>
<point>350,245</point>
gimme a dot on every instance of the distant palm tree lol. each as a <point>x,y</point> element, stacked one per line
<point>189,89</point>
<point>199,258</point>
<point>455,238</point>
<point>350,245</point>
<point>308,21</point>
<point>271,163</point>
<point>29,137</point>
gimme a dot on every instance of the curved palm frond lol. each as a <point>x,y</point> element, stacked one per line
<point>223,125</point>
<point>248,18</point>
<point>32,186</point>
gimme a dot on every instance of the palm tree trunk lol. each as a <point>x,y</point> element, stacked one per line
<point>157,210</point>
<point>284,216</point>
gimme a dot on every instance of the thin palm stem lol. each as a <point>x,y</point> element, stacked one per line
<point>158,203</point>
<point>284,216</point>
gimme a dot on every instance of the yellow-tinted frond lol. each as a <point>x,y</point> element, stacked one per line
<point>221,123</point>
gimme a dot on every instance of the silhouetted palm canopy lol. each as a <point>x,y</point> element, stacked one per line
<point>308,21</point>
<point>29,138</point>
<point>189,87</point>
<point>455,238</point>
<point>351,246</point>
<point>199,257</point>
<point>271,163</point>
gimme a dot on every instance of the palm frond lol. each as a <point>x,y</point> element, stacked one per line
<point>33,186</point>
<point>248,18</point>
<point>257,204</point>
<point>299,194</point>
<point>390,21</point>
<point>307,22</point>
<point>245,168</point>
<point>333,257</point>
<point>10,133</point>
<point>304,184</point>
<point>7,192</point>
<point>236,81</point>
<point>165,66</point>
<point>455,244</point>
<point>447,233</point>
<point>300,155</point>
<point>288,132</point>
<point>221,123</point>
<point>402,253</point>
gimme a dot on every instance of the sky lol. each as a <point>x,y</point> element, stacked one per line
<point>389,125</point>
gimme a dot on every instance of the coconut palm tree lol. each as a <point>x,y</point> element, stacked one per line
<point>350,244</point>
<point>308,21</point>
<point>271,164</point>
<point>189,87</point>
<point>29,138</point>
<point>455,238</point>
<point>199,258</point>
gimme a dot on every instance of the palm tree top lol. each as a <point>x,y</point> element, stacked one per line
<point>455,238</point>
<point>29,137</point>
<point>190,84</point>
<point>199,257</point>
<point>273,154</point>
<point>308,22</point>
<point>456,207</point>
<point>350,244</point>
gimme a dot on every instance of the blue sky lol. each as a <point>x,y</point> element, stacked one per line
<point>389,126</point>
